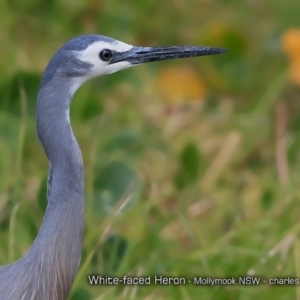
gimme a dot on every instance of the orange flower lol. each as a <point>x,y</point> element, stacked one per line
<point>181,84</point>
<point>290,42</point>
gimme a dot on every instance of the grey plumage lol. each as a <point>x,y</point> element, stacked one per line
<point>53,259</point>
<point>48,269</point>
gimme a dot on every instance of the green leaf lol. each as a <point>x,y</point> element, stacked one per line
<point>81,294</point>
<point>190,163</point>
<point>112,183</point>
<point>10,92</point>
<point>42,195</point>
<point>5,164</point>
<point>112,251</point>
<point>127,139</point>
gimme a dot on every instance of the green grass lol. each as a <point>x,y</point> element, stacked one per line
<point>199,189</point>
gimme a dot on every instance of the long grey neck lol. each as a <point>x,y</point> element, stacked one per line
<point>48,269</point>
<point>57,249</point>
<point>62,230</point>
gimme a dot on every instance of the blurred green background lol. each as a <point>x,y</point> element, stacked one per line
<point>192,166</point>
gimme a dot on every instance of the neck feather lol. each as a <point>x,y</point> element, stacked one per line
<point>48,269</point>
<point>65,211</point>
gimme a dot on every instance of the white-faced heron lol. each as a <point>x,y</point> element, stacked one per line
<point>48,269</point>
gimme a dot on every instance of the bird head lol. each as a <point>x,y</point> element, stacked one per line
<point>89,56</point>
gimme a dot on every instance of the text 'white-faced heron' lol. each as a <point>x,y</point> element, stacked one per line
<point>48,269</point>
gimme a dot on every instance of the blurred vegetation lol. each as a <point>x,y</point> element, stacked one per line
<point>192,166</point>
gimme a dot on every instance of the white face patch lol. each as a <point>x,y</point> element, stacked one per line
<point>91,55</point>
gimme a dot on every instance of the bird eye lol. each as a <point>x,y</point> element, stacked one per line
<point>105,55</point>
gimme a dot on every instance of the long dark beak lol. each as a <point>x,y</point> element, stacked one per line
<point>138,55</point>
